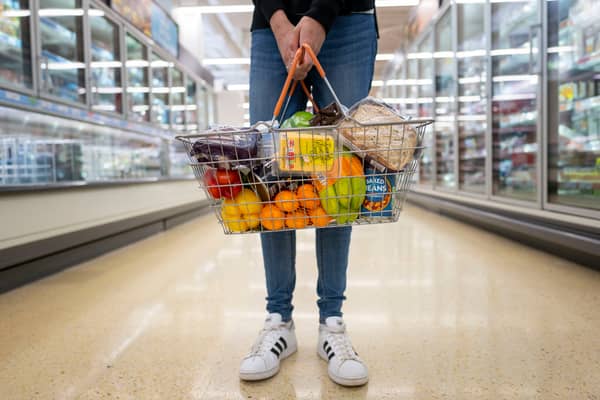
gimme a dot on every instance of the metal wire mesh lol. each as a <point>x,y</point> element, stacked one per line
<point>260,179</point>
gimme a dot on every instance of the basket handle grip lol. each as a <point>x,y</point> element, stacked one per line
<point>299,56</point>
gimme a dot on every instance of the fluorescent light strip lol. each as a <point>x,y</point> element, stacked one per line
<point>178,89</point>
<point>106,64</point>
<point>514,97</point>
<point>444,54</point>
<point>246,106</point>
<point>58,66</point>
<point>471,79</point>
<point>471,53</point>
<point>247,116</point>
<point>104,107</point>
<point>408,100</point>
<point>15,14</point>
<point>445,118</point>
<point>160,64</point>
<point>181,107</point>
<point>510,52</point>
<point>96,13</point>
<point>376,83</point>
<point>133,89</point>
<point>421,55</point>
<point>384,57</point>
<point>140,108</point>
<point>469,99</point>
<point>107,90</point>
<point>408,82</point>
<point>515,78</point>
<point>561,49</point>
<point>444,99</point>
<point>160,90</point>
<point>137,64</point>
<point>61,12</point>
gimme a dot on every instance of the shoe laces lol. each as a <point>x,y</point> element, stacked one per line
<point>342,347</point>
<point>266,340</point>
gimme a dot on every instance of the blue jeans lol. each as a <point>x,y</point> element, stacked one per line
<point>348,56</point>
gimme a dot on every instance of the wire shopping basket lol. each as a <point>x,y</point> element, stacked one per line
<point>357,171</point>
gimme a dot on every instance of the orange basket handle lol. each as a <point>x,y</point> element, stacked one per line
<point>299,56</point>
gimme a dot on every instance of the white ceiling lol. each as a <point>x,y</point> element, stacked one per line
<point>228,36</point>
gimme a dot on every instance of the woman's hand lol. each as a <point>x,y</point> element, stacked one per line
<point>286,35</point>
<point>312,33</point>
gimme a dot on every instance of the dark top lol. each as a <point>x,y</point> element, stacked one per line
<point>323,11</point>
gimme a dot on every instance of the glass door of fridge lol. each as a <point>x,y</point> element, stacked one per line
<point>191,105</point>
<point>573,100</point>
<point>160,91</point>
<point>15,44</point>
<point>138,84</point>
<point>445,102</point>
<point>106,64</point>
<point>516,84</point>
<point>61,58</point>
<point>425,105</point>
<point>472,98</point>
<point>177,106</point>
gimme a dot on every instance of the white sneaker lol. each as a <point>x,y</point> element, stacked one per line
<point>345,367</point>
<point>276,341</point>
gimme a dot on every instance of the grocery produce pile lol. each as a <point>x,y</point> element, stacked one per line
<point>315,176</point>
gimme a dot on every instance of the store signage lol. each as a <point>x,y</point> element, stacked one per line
<point>164,30</point>
<point>138,12</point>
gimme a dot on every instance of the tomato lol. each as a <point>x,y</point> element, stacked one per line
<point>229,181</point>
<point>210,181</point>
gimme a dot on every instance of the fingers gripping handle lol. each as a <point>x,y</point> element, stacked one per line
<point>296,61</point>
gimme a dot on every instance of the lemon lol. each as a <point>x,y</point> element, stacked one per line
<point>248,202</point>
<point>230,210</point>
<point>237,226</point>
<point>253,220</point>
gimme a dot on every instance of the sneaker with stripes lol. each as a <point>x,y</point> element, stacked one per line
<point>275,342</point>
<point>345,367</point>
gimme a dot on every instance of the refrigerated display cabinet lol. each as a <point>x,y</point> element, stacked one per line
<point>472,97</point>
<point>573,56</point>
<point>426,87</point>
<point>86,98</point>
<point>61,61</point>
<point>515,99</point>
<point>15,44</point>
<point>445,102</point>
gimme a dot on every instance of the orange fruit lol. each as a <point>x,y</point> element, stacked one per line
<point>287,201</point>
<point>271,217</point>
<point>307,196</point>
<point>319,217</point>
<point>296,220</point>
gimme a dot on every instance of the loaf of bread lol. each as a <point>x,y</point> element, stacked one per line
<point>392,144</point>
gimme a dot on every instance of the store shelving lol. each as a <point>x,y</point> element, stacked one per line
<point>15,45</point>
<point>574,96</point>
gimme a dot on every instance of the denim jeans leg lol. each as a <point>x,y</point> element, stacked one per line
<point>348,57</point>
<point>267,76</point>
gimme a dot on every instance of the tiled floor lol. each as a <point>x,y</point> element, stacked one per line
<point>438,310</point>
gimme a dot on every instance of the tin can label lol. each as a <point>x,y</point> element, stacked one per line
<point>378,200</point>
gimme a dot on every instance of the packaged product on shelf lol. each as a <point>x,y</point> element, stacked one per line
<point>390,144</point>
<point>379,199</point>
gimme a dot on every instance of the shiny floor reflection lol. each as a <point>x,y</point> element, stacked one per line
<point>438,310</point>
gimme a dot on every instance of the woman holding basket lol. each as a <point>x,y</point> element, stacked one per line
<point>344,36</point>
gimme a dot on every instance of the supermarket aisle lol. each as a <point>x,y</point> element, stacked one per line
<point>437,309</point>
